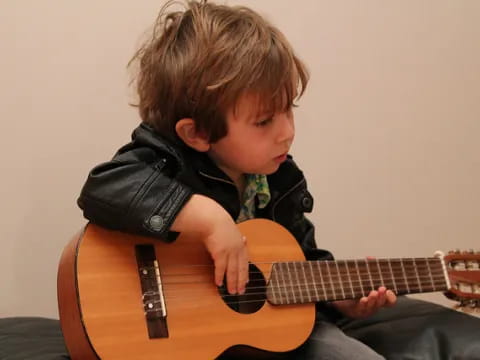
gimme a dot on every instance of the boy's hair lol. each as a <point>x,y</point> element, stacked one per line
<point>198,62</point>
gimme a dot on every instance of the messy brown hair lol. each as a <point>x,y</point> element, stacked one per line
<point>198,62</point>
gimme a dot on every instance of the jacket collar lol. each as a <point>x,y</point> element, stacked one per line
<point>287,176</point>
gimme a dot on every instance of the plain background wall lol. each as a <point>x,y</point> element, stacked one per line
<point>387,133</point>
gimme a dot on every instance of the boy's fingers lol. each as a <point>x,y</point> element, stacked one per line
<point>391,298</point>
<point>381,299</point>
<point>232,274</point>
<point>220,266</point>
<point>362,305</point>
<point>242,271</point>
<point>372,300</point>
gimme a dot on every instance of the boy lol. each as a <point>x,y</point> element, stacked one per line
<point>216,88</point>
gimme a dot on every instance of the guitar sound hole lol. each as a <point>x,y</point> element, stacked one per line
<point>254,297</point>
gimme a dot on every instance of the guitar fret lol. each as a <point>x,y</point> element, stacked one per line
<point>383,269</point>
<point>359,277</point>
<point>399,276</point>
<point>393,278</point>
<point>441,277</point>
<point>285,288</point>
<point>306,283</point>
<point>430,273</point>
<point>347,269</point>
<point>274,281</point>
<point>369,274</point>
<point>331,280</point>
<point>305,288</point>
<point>291,282</point>
<point>439,265</point>
<point>413,275</point>
<point>321,280</point>
<point>424,275</point>
<point>418,277</point>
<point>294,282</point>
<point>297,282</point>
<point>317,297</point>
<point>405,275</point>
<point>340,279</point>
<point>380,273</point>
<point>365,277</point>
<point>414,285</point>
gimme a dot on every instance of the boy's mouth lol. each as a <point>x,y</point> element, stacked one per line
<point>281,158</point>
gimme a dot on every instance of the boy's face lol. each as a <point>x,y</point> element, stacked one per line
<point>255,143</point>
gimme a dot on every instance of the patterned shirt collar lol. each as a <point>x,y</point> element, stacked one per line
<point>256,188</point>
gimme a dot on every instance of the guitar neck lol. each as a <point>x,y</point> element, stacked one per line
<point>296,282</point>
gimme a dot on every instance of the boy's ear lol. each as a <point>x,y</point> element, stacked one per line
<point>187,131</point>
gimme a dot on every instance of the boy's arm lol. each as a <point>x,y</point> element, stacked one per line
<point>222,238</point>
<point>137,193</point>
<point>132,193</point>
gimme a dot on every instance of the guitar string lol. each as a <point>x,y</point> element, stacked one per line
<point>299,288</point>
<point>437,282</point>
<point>338,281</point>
<point>413,272</point>
<point>320,266</point>
<point>394,261</point>
<point>336,285</point>
<point>316,264</point>
<point>296,287</point>
<point>299,298</point>
<point>328,295</point>
<point>295,294</point>
<point>285,298</point>
<point>365,276</point>
<point>338,277</point>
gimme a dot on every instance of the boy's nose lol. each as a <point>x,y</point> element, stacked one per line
<point>287,128</point>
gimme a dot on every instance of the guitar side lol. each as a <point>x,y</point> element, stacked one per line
<point>105,315</point>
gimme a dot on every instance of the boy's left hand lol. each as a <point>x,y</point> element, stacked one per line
<point>367,305</point>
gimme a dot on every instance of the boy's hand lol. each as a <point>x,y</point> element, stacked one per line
<point>209,220</point>
<point>367,305</point>
<point>228,249</point>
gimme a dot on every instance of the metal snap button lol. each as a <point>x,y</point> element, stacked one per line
<point>156,222</point>
<point>307,203</point>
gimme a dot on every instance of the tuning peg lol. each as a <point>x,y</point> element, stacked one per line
<point>471,251</point>
<point>457,251</point>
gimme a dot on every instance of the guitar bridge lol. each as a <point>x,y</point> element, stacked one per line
<point>152,292</point>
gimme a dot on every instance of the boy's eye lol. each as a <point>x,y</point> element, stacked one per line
<point>264,122</point>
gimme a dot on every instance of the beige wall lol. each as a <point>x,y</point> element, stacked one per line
<point>387,133</point>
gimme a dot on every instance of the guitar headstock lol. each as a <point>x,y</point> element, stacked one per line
<point>463,269</point>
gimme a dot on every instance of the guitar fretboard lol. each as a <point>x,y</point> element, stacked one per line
<point>296,282</point>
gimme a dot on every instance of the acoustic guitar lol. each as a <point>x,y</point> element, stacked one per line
<point>128,297</point>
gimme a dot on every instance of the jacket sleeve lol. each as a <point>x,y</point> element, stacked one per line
<point>134,192</point>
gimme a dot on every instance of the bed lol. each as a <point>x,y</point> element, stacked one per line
<point>414,329</point>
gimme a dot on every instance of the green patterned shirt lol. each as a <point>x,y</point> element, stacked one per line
<point>256,188</point>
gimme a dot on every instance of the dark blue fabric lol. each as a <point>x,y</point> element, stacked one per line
<point>418,330</point>
<point>31,338</point>
<point>411,330</point>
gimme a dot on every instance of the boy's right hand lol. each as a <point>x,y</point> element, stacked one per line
<point>227,246</point>
<point>222,239</point>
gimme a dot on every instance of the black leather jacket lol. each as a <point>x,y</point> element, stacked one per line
<point>149,180</point>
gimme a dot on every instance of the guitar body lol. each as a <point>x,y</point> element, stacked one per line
<point>102,311</point>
